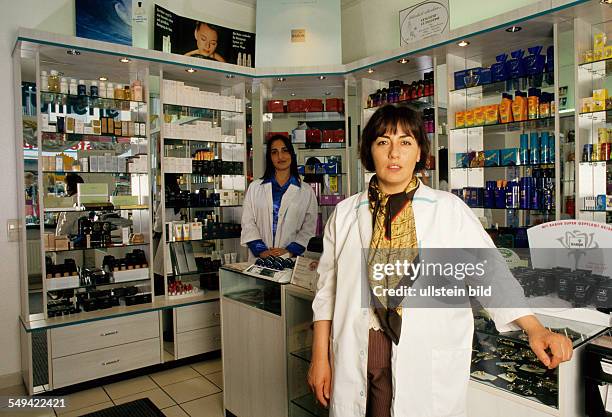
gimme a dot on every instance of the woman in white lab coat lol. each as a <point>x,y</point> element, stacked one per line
<point>369,360</point>
<point>280,211</point>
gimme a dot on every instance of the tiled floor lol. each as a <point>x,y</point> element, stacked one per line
<point>189,391</point>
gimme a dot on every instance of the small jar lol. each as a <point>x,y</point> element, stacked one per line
<point>119,92</point>
<point>102,89</point>
<point>110,90</point>
<point>126,93</point>
<point>44,81</point>
<point>93,89</point>
<point>64,86</point>
<point>73,89</point>
<point>82,88</point>
<point>137,91</point>
<point>54,82</point>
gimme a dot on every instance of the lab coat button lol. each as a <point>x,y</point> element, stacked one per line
<point>361,353</point>
<point>361,393</point>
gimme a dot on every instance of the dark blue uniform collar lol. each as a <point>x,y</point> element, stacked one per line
<point>292,181</point>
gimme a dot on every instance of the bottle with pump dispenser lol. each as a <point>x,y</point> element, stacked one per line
<point>44,81</point>
<point>54,82</point>
<point>73,88</point>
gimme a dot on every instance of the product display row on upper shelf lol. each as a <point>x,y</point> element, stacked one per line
<point>178,93</point>
<point>53,83</point>
<point>421,91</point>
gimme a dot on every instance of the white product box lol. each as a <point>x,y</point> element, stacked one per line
<point>239,182</point>
<point>79,126</point>
<point>63,283</point>
<point>196,231</point>
<point>298,136</point>
<point>131,275</point>
<point>239,136</point>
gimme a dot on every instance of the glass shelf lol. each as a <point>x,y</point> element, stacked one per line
<point>505,86</point>
<point>204,239</point>
<point>98,285</point>
<point>77,137</point>
<point>595,211</point>
<point>546,165</point>
<point>166,138</point>
<point>547,122</point>
<point>309,404</point>
<point>113,246</point>
<point>303,354</point>
<point>84,210</point>
<point>607,162</point>
<point>600,67</point>
<point>599,115</point>
<point>184,110</point>
<point>546,211</point>
<point>324,146</point>
<point>421,102</point>
<point>186,274</point>
<point>49,97</point>
<point>89,172</point>
<point>169,206</point>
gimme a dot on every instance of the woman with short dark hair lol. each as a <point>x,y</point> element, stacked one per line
<point>388,359</point>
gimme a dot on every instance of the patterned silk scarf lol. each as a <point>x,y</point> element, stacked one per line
<point>394,239</point>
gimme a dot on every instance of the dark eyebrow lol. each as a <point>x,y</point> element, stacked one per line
<point>401,137</point>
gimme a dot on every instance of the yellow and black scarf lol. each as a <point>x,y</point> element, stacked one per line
<point>394,239</point>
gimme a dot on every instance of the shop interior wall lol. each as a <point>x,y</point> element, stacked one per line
<point>56,16</point>
<point>320,18</point>
<point>370,27</point>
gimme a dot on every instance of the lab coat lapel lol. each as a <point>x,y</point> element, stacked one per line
<point>364,220</point>
<point>286,202</point>
<point>267,188</point>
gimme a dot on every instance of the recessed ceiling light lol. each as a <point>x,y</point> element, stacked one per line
<point>292,94</point>
<point>230,76</point>
<point>191,70</point>
<point>125,60</point>
<point>513,29</point>
<point>73,52</point>
<point>281,79</point>
<point>103,79</point>
<point>328,93</point>
<point>403,61</point>
<point>322,77</point>
<point>463,44</point>
<point>605,1</point>
<point>370,70</point>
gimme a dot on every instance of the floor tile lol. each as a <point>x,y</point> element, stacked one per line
<point>90,409</point>
<point>15,390</point>
<point>175,375</point>
<point>83,399</point>
<point>39,412</point>
<point>208,367</point>
<point>191,389</point>
<point>175,411</point>
<point>159,398</point>
<point>216,378</point>
<point>211,406</point>
<point>129,387</point>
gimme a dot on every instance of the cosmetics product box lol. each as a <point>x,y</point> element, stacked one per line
<point>69,125</point>
<point>196,230</point>
<point>61,243</point>
<point>492,158</point>
<point>460,160</point>
<point>600,203</point>
<point>491,114</point>
<point>334,104</point>
<point>460,79</point>
<point>479,116</point>
<point>177,231</point>
<point>296,106</point>
<point>88,130</point>
<point>599,99</point>
<point>124,200</point>
<point>79,126</point>
<point>328,136</point>
<point>314,105</point>
<point>298,136</point>
<point>509,156</point>
<point>469,118</point>
<point>460,119</point>
<point>478,160</point>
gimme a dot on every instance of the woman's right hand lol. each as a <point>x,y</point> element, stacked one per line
<point>319,379</point>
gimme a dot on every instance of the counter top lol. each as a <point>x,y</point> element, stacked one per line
<point>159,303</point>
<point>237,267</point>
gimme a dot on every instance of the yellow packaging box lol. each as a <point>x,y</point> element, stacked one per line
<point>479,116</point>
<point>469,118</point>
<point>460,119</point>
<point>492,114</point>
<point>599,99</point>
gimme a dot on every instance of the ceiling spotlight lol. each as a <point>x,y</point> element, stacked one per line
<point>463,44</point>
<point>322,77</point>
<point>230,76</point>
<point>403,61</point>
<point>370,70</point>
<point>605,1</point>
<point>73,52</point>
<point>281,79</point>
<point>103,79</point>
<point>328,93</point>
<point>191,70</point>
<point>292,94</point>
<point>125,60</point>
<point>513,28</point>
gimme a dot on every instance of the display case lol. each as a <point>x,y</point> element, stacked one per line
<point>504,131</point>
<point>593,70</point>
<point>417,81</point>
<point>311,112</point>
<point>201,178</point>
<point>298,310</point>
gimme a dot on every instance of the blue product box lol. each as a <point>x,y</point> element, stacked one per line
<point>459,79</point>
<point>601,202</point>
<point>515,67</point>
<point>492,158</point>
<point>485,76</point>
<point>463,160</point>
<point>320,169</point>
<point>510,156</point>
<point>331,168</point>
<point>498,70</point>
<point>301,170</point>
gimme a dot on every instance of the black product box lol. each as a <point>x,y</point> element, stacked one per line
<point>138,299</point>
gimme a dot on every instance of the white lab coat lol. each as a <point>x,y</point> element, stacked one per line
<point>431,364</point>
<point>297,216</point>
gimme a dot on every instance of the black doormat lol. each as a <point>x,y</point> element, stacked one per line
<point>143,407</point>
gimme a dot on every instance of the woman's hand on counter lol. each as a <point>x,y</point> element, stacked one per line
<point>551,348</point>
